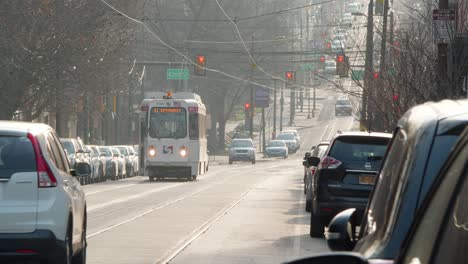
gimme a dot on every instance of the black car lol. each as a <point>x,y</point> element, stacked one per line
<point>439,233</point>
<point>422,141</point>
<point>309,171</point>
<point>345,175</point>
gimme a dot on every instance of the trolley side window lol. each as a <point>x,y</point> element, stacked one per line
<point>168,122</point>
<point>194,126</point>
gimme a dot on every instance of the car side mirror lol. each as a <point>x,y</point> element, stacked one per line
<point>333,257</point>
<point>339,236</point>
<point>313,161</point>
<point>305,163</point>
<point>81,170</point>
<point>307,154</point>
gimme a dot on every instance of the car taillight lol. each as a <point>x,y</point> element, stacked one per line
<point>46,178</point>
<point>312,170</point>
<point>329,163</point>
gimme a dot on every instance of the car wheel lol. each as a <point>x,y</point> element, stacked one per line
<point>308,205</point>
<point>253,161</point>
<point>151,178</point>
<point>194,177</point>
<point>316,225</point>
<point>68,246</point>
<point>230,161</point>
<point>80,258</point>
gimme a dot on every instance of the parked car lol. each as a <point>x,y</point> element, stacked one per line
<point>100,160</point>
<point>40,216</point>
<point>318,151</point>
<point>343,107</point>
<point>290,141</point>
<point>129,171</point>
<point>296,135</point>
<point>76,154</point>
<point>133,155</point>
<point>112,164</point>
<point>121,162</point>
<point>438,233</point>
<point>345,176</point>
<point>422,141</point>
<point>276,148</point>
<point>242,149</point>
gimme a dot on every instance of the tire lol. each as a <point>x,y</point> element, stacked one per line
<point>230,161</point>
<point>151,178</point>
<point>308,206</point>
<point>80,258</point>
<point>316,225</point>
<point>194,177</point>
<point>253,161</point>
<point>68,246</point>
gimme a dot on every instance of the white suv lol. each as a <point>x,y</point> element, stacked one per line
<point>42,206</point>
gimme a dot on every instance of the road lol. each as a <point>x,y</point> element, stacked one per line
<point>234,213</point>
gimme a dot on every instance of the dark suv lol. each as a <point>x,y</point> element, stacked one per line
<point>422,141</point>
<point>345,176</point>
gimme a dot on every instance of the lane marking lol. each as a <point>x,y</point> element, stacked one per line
<point>184,243</point>
<point>147,212</point>
<point>128,198</point>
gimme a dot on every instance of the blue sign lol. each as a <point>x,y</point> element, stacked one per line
<point>262,97</point>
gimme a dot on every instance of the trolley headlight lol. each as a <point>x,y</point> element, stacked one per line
<point>151,151</point>
<point>183,152</point>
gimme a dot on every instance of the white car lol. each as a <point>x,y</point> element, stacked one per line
<point>296,135</point>
<point>337,46</point>
<point>330,67</point>
<point>290,141</point>
<point>42,205</point>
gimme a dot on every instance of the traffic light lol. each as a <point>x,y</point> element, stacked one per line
<point>200,67</point>
<point>290,76</point>
<point>328,45</point>
<point>395,97</point>
<point>247,106</point>
<point>342,65</point>
<point>376,75</point>
<point>322,59</point>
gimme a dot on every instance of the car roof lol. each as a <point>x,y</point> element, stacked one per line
<point>23,127</point>
<point>363,134</point>
<point>242,139</point>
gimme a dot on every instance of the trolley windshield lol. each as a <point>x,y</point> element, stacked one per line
<point>168,122</point>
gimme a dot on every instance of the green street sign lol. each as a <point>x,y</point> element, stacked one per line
<point>177,74</point>
<point>306,67</point>
<point>357,75</point>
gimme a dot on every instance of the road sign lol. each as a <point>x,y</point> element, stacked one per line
<point>177,74</point>
<point>357,75</point>
<point>262,97</point>
<point>443,14</point>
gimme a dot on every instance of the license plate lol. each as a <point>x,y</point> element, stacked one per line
<point>367,180</point>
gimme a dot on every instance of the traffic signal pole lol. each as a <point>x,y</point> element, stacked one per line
<point>366,108</point>
<point>281,107</point>
<point>274,109</point>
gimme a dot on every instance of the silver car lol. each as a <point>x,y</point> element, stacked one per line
<point>242,150</point>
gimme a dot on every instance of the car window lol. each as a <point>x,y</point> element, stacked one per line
<point>423,243</point>
<point>277,144</point>
<point>123,150</point>
<point>61,151</point>
<point>54,153</point>
<point>356,152</point>
<point>16,155</point>
<point>68,145</point>
<point>241,144</point>
<point>106,152</point>
<point>321,150</point>
<point>385,188</point>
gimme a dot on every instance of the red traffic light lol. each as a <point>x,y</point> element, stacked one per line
<point>290,76</point>
<point>247,105</point>
<point>201,59</point>
<point>340,58</point>
<point>322,58</point>
<point>395,97</point>
<point>328,45</point>
<point>376,75</point>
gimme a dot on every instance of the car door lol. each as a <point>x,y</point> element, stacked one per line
<point>18,184</point>
<point>71,184</point>
<point>445,214</point>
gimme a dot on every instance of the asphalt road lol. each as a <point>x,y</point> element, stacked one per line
<point>239,213</point>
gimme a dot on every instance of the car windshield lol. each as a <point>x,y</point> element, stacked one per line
<point>342,102</point>
<point>106,151</point>
<point>277,144</point>
<point>288,136</point>
<point>241,144</point>
<point>69,147</point>
<point>123,150</point>
<point>357,152</point>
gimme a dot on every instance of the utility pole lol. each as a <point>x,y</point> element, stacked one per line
<point>263,130</point>
<point>301,95</point>
<point>442,50</point>
<point>366,114</point>
<point>252,99</point>
<point>281,106</point>
<point>274,109</point>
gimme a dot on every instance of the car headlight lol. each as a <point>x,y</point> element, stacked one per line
<point>151,151</point>
<point>183,152</point>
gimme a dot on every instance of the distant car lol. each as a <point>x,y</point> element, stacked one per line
<point>290,141</point>
<point>76,154</point>
<point>438,234</point>
<point>337,46</point>
<point>112,164</point>
<point>98,162</point>
<point>242,150</point>
<point>330,67</point>
<point>129,170</point>
<point>422,141</point>
<point>345,175</point>
<point>309,171</point>
<point>276,148</point>
<point>352,8</point>
<point>121,162</point>
<point>133,156</point>
<point>339,37</point>
<point>296,135</point>
<point>347,20</point>
<point>42,205</point>
<point>343,107</point>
